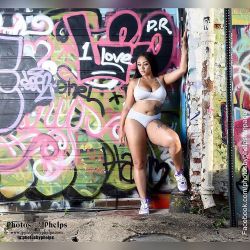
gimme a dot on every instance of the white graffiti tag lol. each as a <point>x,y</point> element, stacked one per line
<point>41,25</point>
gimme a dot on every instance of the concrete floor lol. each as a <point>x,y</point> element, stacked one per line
<point>117,226</point>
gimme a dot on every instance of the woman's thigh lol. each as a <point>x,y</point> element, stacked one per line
<point>160,134</point>
<point>137,139</point>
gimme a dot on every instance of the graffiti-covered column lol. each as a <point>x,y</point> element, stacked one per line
<point>200,102</point>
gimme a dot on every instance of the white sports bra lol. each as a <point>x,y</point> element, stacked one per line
<point>157,95</point>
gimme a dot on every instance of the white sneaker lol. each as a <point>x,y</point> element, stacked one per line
<point>181,181</point>
<point>144,209</point>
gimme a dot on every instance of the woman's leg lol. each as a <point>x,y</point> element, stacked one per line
<point>160,134</point>
<point>137,142</point>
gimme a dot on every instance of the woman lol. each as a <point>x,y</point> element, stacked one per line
<point>140,120</point>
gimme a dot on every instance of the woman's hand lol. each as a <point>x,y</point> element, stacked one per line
<point>176,74</point>
<point>184,42</point>
<point>122,136</point>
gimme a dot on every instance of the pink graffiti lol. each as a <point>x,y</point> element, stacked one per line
<point>242,138</point>
<point>241,77</point>
<point>53,118</point>
<point>42,142</point>
<point>40,24</point>
<point>241,82</point>
<point>247,30</point>
<point>54,145</point>
<point>175,57</point>
<point>53,149</point>
<point>62,119</point>
<point>118,61</point>
<point>241,72</point>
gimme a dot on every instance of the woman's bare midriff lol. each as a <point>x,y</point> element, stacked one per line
<point>147,107</point>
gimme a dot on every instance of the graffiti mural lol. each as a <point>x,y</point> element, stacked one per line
<point>63,77</point>
<point>241,79</point>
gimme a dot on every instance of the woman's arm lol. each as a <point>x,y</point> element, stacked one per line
<point>126,107</point>
<point>178,73</point>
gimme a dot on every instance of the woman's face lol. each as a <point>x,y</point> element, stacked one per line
<point>144,66</point>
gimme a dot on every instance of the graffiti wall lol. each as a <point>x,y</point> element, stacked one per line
<point>63,80</point>
<point>241,79</point>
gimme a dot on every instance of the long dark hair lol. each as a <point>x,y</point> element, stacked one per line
<point>151,59</point>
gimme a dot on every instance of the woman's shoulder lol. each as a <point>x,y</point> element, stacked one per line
<point>133,81</point>
<point>161,78</point>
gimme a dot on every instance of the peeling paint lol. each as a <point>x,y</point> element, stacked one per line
<point>200,107</point>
